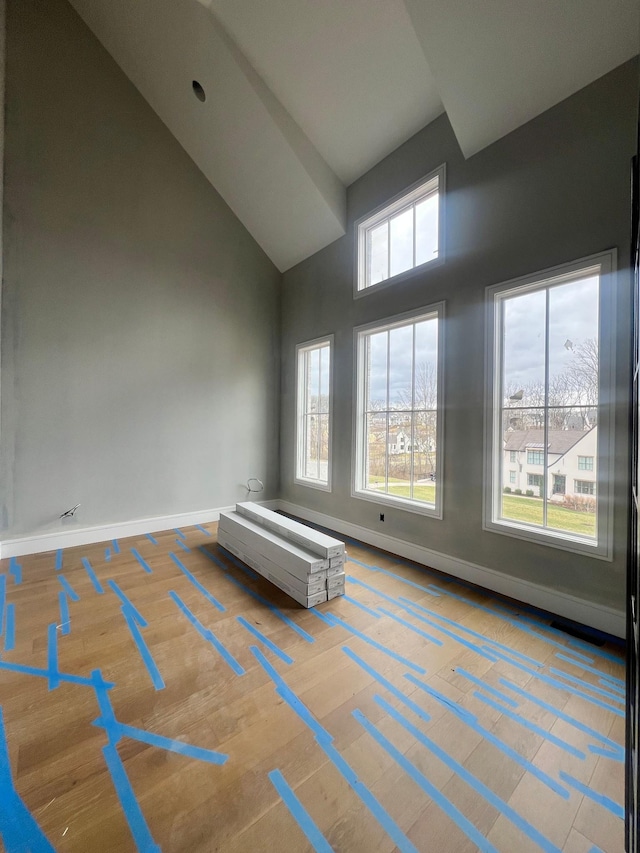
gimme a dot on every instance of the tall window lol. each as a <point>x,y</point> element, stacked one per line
<point>398,452</point>
<point>550,375</point>
<point>313,425</point>
<point>402,235</point>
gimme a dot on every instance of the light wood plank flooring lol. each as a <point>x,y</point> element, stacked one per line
<point>156,696</point>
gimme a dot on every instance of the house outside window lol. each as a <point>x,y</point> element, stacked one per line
<point>313,405</point>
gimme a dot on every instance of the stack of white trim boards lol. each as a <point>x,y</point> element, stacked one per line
<point>306,564</point>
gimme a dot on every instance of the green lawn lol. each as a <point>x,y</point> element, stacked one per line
<point>401,489</point>
<point>529,510</point>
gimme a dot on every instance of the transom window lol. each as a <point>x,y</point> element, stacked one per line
<point>401,236</point>
<point>398,412</point>
<point>313,423</point>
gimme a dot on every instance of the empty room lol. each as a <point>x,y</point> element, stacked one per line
<point>319,426</point>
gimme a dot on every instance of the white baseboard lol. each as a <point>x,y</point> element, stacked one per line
<point>19,547</point>
<point>559,603</point>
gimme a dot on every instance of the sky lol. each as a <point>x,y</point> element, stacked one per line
<point>400,343</point>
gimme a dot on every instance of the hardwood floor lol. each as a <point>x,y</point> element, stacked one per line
<point>156,696</point>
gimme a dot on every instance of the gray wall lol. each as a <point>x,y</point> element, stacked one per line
<point>554,190</point>
<point>140,321</point>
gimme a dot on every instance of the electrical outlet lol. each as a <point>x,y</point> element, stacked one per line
<point>381,516</point>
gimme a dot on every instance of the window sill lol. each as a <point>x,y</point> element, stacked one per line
<point>561,541</point>
<point>432,510</point>
<point>314,484</point>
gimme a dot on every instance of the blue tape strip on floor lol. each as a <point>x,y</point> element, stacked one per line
<point>267,642</point>
<point>486,687</point>
<point>15,570</point>
<point>44,673</point>
<point>484,653</point>
<point>429,637</point>
<point>65,618</point>
<point>203,529</point>
<point>116,546</point>
<point>472,721</point>
<point>179,532</point>
<point>361,606</point>
<point>479,787</point>
<point>152,539</point>
<point>413,706</point>
<point>246,570</point>
<point>573,641</point>
<point>333,620</point>
<point>592,669</point>
<point>142,561</point>
<point>10,632</point>
<point>18,828</point>
<point>272,607</point>
<point>145,654</point>
<point>620,690</point>
<point>299,813</point>
<point>561,685</point>
<point>618,755</point>
<point>600,692</point>
<point>324,741</point>
<point>595,650</point>
<point>184,547</point>
<point>137,823</point>
<point>92,576</point>
<point>142,622</point>
<point>527,724</point>
<point>428,787</point>
<point>207,634</point>
<point>177,746</point>
<point>202,589</point>
<point>58,559</point>
<point>52,656</point>
<point>107,555</point>
<point>3,599</point>
<point>381,571</point>
<point>606,802</point>
<point>73,595</point>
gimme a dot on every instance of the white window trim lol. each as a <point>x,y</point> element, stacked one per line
<point>385,211</point>
<point>307,481</point>
<point>603,548</point>
<point>357,447</point>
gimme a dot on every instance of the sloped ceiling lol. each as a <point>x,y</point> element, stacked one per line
<point>304,97</point>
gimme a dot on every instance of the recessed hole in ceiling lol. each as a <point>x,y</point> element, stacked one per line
<point>199,91</point>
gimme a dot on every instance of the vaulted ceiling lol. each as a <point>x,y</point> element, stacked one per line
<point>304,96</point>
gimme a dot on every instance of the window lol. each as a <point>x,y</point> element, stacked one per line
<point>584,487</point>
<point>313,423</point>
<point>398,420</point>
<point>512,456</point>
<point>512,476</point>
<point>401,236</point>
<point>550,375</point>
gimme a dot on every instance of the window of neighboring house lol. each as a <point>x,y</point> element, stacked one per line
<point>403,235</point>
<point>399,388</point>
<point>512,456</point>
<point>313,422</point>
<point>550,369</point>
<point>512,476</point>
<point>584,487</point>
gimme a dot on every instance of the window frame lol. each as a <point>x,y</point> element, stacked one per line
<point>602,546</point>
<point>301,349</point>
<point>385,212</point>
<point>357,445</point>
<point>585,463</point>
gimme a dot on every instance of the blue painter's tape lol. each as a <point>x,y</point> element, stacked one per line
<point>561,685</point>
<point>152,539</point>
<point>52,656</point>
<point>334,620</point>
<point>611,686</point>
<point>429,637</point>
<point>249,572</point>
<point>92,576</point>
<point>107,555</point>
<point>202,589</point>
<point>592,669</point>
<point>116,546</point>
<point>381,571</point>
<point>267,642</point>
<point>483,652</point>
<point>299,813</point>
<point>73,595</point>
<point>272,607</point>
<point>132,811</point>
<point>486,687</point>
<point>18,828</point>
<point>479,787</point>
<point>362,606</point>
<point>428,787</point>
<point>614,755</point>
<point>142,561</point>
<point>65,618</point>
<point>577,724</point>
<point>58,559</point>
<point>527,724</point>
<point>44,673</point>
<point>373,589</point>
<point>177,746</point>
<point>595,849</point>
<point>15,570</point>
<point>179,532</point>
<point>203,529</point>
<point>207,634</point>
<point>184,547</point>
<point>142,622</point>
<point>10,632</point>
<point>145,654</point>
<point>472,721</point>
<point>3,599</point>
<point>606,802</point>
<point>386,683</point>
<point>600,692</point>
